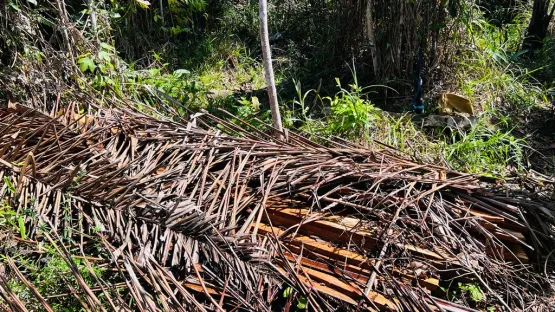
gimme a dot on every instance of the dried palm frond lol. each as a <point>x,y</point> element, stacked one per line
<point>217,215</point>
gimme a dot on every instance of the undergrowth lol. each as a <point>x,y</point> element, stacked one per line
<point>42,261</point>
<point>488,71</point>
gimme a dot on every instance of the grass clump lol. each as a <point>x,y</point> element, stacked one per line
<point>484,150</point>
<point>352,116</point>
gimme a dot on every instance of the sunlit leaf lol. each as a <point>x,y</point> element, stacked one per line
<point>103,55</point>
<point>287,292</point>
<point>181,72</point>
<point>107,47</point>
<point>302,303</point>
<point>86,63</point>
<point>143,3</point>
<point>21,224</point>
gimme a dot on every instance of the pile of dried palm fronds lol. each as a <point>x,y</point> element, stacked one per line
<point>207,215</point>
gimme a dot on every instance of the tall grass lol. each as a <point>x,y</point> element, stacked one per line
<point>484,150</point>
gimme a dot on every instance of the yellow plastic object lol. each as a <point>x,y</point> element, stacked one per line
<point>451,101</point>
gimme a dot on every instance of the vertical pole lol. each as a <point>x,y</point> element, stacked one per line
<point>268,68</point>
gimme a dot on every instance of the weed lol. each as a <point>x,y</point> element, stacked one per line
<point>474,291</point>
<point>51,275</point>
<point>484,150</point>
<point>351,116</point>
<point>406,137</point>
<point>299,115</point>
<point>489,72</point>
<point>290,294</point>
<point>9,185</point>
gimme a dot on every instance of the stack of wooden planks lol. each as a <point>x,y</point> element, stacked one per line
<point>336,254</point>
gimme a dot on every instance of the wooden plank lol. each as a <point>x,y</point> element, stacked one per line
<point>498,220</point>
<point>332,231</point>
<point>349,231</point>
<point>324,248</point>
<point>515,252</point>
<point>511,236</point>
<point>357,265</point>
<point>500,233</point>
<point>486,216</point>
<point>198,288</point>
<point>322,288</point>
<point>333,287</point>
<point>348,289</point>
<point>357,274</point>
<point>307,262</point>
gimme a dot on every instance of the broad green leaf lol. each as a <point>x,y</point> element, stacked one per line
<point>474,291</point>
<point>86,63</point>
<point>153,71</point>
<point>181,72</point>
<point>103,55</point>
<point>107,47</point>
<point>302,303</point>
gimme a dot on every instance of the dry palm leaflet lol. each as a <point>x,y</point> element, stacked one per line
<point>207,215</point>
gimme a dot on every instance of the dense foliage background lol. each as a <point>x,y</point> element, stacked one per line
<point>331,78</point>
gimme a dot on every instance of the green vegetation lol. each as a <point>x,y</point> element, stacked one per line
<point>53,275</point>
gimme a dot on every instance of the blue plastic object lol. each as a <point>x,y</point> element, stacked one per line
<point>417,105</point>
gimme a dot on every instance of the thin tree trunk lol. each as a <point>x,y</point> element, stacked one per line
<point>65,24</point>
<point>268,68</point>
<point>372,39</point>
<point>162,11</point>
<point>94,23</point>
<point>539,24</point>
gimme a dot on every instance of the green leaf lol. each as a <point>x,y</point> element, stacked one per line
<point>103,55</point>
<point>102,68</point>
<point>302,303</point>
<point>21,223</point>
<point>153,72</point>
<point>474,291</point>
<point>181,72</point>
<point>14,6</point>
<point>107,47</point>
<point>287,292</point>
<point>9,184</point>
<point>86,63</point>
